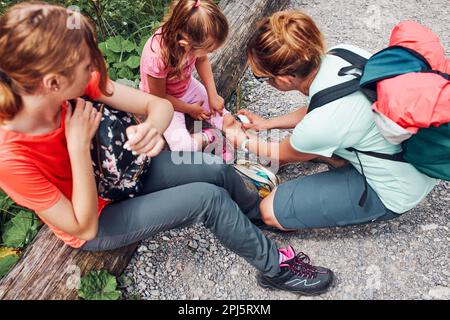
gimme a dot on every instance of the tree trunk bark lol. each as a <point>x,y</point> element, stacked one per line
<point>230,62</point>
<point>49,269</point>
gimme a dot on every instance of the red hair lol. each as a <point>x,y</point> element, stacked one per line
<point>35,40</point>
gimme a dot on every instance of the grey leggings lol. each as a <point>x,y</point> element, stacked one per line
<point>178,195</point>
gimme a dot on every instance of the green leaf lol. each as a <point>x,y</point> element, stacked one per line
<point>8,258</point>
<point>128,82</point>
<point>112,73</point>
<point>128,46</point>
<point>21,229</point>
<point>125,73</point>
<point>133,62</point>
<point>115,44</point>
<point>99,285</point>
<point>119,65</point>
<point>103,47</point>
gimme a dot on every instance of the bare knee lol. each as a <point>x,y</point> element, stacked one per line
<point>267,211</point>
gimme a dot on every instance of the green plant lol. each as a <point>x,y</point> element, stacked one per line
<point>18,227</point>
<point>21,229</point>
<point>8,258</point>
<point>122,57</point>
<point>99,285</point>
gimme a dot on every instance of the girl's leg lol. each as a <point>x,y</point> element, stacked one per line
<point>171,169</point>
<point>178,137</point>
<point>196,93</point>
<point>136,219</point>
<point>328,199</point>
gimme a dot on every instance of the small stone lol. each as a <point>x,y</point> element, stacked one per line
<point>155,293</point>
<point>166,238</point>
<point>142,249</point>
<point>442,293</point>
<point>193,244</point>
<point>179,266</point>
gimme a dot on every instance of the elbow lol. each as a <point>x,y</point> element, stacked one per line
<point>169,107</point>
<point>162,106</point>
<point>87,234</point>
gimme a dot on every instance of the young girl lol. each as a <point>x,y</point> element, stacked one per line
<point>45,162</point>
<point>191,30</point>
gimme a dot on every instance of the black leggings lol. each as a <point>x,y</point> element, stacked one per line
<point>178,195</point>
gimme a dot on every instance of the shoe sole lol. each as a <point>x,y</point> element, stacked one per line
<point>269,286</point>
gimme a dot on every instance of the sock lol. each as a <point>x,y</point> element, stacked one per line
<point>286,254</point>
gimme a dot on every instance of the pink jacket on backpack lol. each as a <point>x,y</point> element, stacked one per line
<point>416,100</point>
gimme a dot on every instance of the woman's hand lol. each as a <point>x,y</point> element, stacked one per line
<point>256,122</point>
<point>198,113</point>
<point>217,104</point>
<point>235,133</point>
<point>144,139</point>
<point>81,124</point>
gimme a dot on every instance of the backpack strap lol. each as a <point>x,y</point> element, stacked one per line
<point>393,157</point>
<point>444,75</point>
<point>333,93</point>
<point>339,91</point>
<point>354,59</point>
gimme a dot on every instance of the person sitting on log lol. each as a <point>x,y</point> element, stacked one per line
<point>46,165</point>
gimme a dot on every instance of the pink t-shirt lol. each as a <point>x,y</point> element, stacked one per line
<point>152,64</point>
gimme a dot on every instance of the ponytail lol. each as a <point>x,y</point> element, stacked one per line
<point>10,102</point>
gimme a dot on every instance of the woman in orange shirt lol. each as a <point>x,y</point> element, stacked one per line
<point>45,161</point>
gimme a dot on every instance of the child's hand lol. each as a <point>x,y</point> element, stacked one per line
<point>198,113</point>
<point>144,139</point>
<point>217,104</point>
<point>256,122</point>
<point>81,124</point>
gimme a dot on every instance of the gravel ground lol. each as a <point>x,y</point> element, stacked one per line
<point>407,258</point>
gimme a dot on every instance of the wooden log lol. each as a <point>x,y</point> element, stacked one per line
<point>230,62</point>
<point>49,269</point>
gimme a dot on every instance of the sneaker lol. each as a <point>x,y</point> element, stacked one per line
<point>298,275</point>
<point>263,179</point>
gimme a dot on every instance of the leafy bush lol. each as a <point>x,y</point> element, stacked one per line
<point>8,257</point>
<point>99,285</point>
<point>18,227</point>
<point>123,57</point>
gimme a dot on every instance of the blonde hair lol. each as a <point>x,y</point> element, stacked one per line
<point>34,41</point>
<point>287,43</point>
<point>204,26</point>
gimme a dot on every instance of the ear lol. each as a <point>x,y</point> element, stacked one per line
<point>183,43</point>
<point>286,79</point>
<point>52,82</point>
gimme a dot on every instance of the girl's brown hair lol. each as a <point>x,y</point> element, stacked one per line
<point>287,43</point>
<point>200,22</point>
<point>36,39</point>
